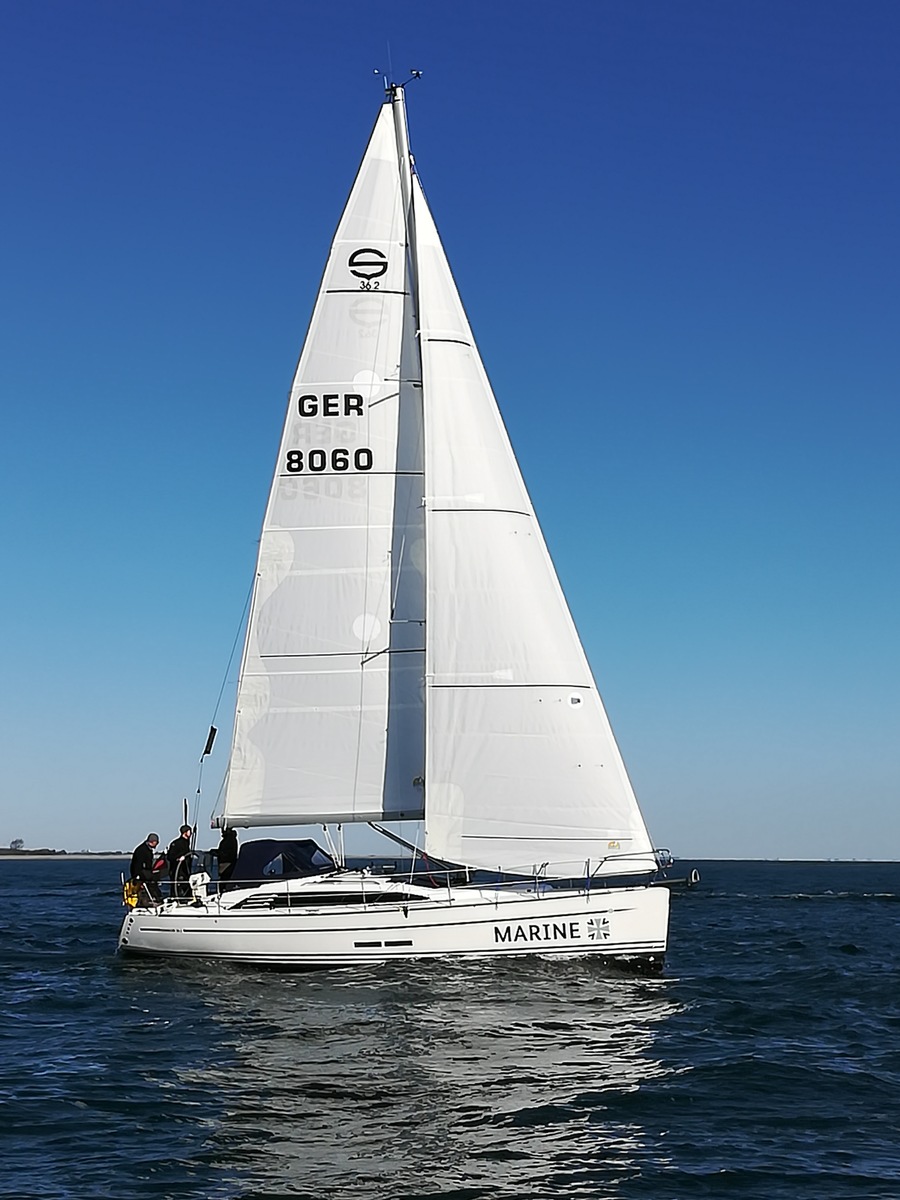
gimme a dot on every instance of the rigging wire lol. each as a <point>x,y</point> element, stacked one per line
<point>211,736</point>
<point>233,648</point>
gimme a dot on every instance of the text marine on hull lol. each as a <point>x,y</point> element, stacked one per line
<point>410,656</point>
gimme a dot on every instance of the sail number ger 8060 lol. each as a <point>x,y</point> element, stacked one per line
<point>330,404</point>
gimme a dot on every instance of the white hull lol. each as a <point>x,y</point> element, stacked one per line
<point>306,923</point>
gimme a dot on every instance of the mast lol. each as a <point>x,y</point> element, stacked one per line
<point>406,162</point>
<point>411,374</point>
<point>397,98</point>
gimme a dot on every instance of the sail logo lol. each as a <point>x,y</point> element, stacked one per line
<point>598,929</point>
<point>367,264</point>
<point>543,931</point>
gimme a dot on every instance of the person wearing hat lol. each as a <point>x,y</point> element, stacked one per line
<point>143,862</point>
<point>178,856</point>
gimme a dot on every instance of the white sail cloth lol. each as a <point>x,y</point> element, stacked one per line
<point>522,767</point>
<point>333,656</point>
<point>408,627</point>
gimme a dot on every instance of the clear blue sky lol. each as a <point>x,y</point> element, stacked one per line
<point>675,228</point>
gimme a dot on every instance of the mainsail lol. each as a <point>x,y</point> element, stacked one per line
<point>329,723</point>
<point>409,651</point>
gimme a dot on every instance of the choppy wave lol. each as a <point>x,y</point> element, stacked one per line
<point>762,1064</point>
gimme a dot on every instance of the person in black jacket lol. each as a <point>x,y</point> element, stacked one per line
<point>144,867</point>
<point>226,854</point>
<point>178,857</point>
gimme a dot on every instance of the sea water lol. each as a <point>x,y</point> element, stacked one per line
<point>764,1063</point>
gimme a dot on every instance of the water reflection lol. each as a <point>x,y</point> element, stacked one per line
<point>202,1082</point>
<point>775,1075</point>
<point>498,1078</point>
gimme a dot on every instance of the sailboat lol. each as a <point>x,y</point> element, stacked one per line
<point>410,656</point>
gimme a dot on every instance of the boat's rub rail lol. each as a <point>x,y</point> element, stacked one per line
<point>371,891</point>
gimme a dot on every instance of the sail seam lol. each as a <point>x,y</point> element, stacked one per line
<point>343,475</point>
<point>319,529</point>
<point>600,835</point>
<point>513,512</point>
<point>349,653</point>
<point>584,687</point>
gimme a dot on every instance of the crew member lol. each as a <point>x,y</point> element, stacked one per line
<point>226,854</point>
<point>145,868</point>
<point>178,857</point>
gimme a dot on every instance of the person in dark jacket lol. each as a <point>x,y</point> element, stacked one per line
<point>226,854</point>
<point>178,857</point>
<point>144,868</point>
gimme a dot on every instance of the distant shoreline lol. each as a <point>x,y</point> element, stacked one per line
<point>70,855</point>
<point>61,855</point>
